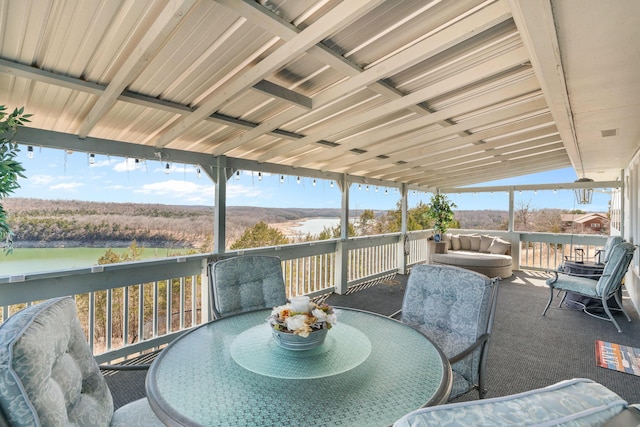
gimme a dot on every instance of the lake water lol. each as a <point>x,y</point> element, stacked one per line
<point>33,260</point>
<point>315,226</point>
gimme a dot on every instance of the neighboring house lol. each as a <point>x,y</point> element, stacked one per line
<point>589,223</point>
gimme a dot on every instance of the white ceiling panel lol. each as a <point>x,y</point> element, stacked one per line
<point>427,93</point>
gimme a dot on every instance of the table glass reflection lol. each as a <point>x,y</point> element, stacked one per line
<point>370,371</point>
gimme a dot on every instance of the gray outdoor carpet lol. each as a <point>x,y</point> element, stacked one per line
<point>527,350</point>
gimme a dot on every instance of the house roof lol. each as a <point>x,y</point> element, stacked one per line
<point>582,218</point>
<point>431,94</point>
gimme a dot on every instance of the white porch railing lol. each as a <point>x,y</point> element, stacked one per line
<point>132,307</point>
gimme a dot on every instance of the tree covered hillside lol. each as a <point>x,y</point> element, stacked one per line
<point>50,223</point>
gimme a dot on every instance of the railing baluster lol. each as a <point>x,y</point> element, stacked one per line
<point>141,312</point>
<point>125,315</point>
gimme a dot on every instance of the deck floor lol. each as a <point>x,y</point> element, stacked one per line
<point>527,350</point>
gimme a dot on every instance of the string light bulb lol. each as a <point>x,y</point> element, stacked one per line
<point>137,163</point>
<point>92,159</point>
<point>331,184</point>
<point>281,179</point>
<point>30,152</point>
<point>259,176</point>
<point>238,175</point>
<point>298,180</point>
<point>314,182</point>
<point>198,172</point>
<point>167,168</point>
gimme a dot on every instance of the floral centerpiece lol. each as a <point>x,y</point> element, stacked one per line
<point>301,324</point>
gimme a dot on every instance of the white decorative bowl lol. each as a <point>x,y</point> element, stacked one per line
<point>291,341</point>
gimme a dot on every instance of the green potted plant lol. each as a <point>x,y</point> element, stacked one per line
<point>441,212</point>
<point>10,168</point>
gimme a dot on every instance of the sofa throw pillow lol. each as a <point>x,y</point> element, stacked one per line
<point>475,243</point>
<point>455,242</point>
<point>485,243</point>
<point>499,247</point>
<point>465,242</point>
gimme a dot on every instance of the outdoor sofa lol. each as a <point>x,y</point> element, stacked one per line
<point>488,255</point>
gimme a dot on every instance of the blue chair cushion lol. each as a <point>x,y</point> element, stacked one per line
<point>578,284</point>
<point>577,402</point>
<point>247,283</point>
<point>47,372</point>
<point>451,306</point>
<point>49,377</point>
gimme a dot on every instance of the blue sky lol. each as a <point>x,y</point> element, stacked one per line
<point>57,175</point>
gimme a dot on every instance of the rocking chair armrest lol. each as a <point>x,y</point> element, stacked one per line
<point>556,277</point>
<point>467,351</point>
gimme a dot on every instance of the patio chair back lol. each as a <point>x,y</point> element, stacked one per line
<point>49,376</point>
<point>615,269</point>
<point>455,308</point>
<point>246,283</point>
<point>611,242</point>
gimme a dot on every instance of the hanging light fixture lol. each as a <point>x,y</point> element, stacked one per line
<point>583,195</point>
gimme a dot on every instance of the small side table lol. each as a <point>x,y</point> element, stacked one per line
<point>435,248</point>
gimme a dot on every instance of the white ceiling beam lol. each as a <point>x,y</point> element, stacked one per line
<point>489,138</point>
<point>43,76</point>
<point>424,140</point>
<point>505,93</point>
<point>451,159</point>
<point>533,187</point>
<point>457,33</point>
<point>153,40</point>
<point>482,159</point>
<point>535,22</point>
<point>491,67</point>
<point>338,17</point>
<point>497,170</point>
<point>421,160</point>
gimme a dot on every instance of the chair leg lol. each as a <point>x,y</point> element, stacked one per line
<point>619,301</point>
<point>606,309</point>
<point>550,299</point>
<point>564,296</point>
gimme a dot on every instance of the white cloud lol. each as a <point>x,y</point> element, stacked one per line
<point>125,165</point>
<point>67,186</point>
<point>235,191</point>
<point>40,179</point>
<point>176,187</point>
<point>101,163</point>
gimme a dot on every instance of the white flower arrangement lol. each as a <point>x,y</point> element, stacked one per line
<point>301,317</point>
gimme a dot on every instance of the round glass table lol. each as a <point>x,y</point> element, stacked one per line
<point>371,370</point>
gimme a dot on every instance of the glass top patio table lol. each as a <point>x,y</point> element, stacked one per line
<point>371,370</point>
